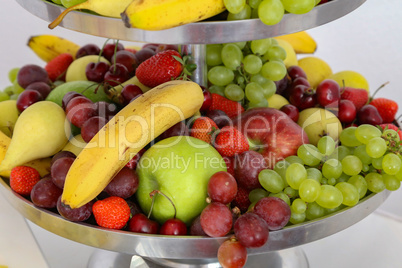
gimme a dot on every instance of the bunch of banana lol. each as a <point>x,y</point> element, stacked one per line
<point>164,14</point>
<point>301,42</point>
<point>127,133</point>
<point>47,47</point>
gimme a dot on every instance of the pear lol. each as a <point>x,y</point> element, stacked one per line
<point>41,131</point>
<point>318,122</point>
<point>8,116</point>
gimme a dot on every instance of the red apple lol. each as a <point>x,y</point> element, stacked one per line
<point>271,132</point>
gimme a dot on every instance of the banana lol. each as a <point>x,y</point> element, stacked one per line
<point>127,133</point>
<point>302,42</point>
<point>107,8</point>
<point>47,47</point>
<point>164,14</point>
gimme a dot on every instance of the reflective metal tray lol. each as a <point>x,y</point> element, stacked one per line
<point>187,247</point>
<point>206,32</point>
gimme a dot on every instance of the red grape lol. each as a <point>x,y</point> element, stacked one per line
<point>59,169</point>
<point>124,184</point>
<point>79,110</point>
<point>196,228</point>
<point>105,109</point>
<point>220,118</point>
<point>45,193</point>
<point>216,219</point>
<point>75,214</point>
<point>139,223</point>
<point>173,227</point>
<point>163,47</point>
<point>247,167</point>
<point>27,98</point>
<point>222,187</point>
<point>132,164</point>
<point>178,129</point>
<point>232,254</point>
<point>31,73</point>
<point>88,49</point>
<point>69,96</point>
<point>144,54</point>
<point>130,92</point>
<point>274,211</point>
<point>42,87</point>
<point>62,154</point>
<point>91,127</point>
<point>251,230</point>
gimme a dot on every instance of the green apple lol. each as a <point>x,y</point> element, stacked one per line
<point>76,70</point>
<point>9,115</point>
<point>179,167</point>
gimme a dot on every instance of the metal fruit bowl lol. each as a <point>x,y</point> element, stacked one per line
<point>187,247</point>
<point>205,32</point>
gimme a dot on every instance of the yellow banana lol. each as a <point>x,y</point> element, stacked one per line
<point>107,8</point>
<point>302,42</point>
<point>126,133</point>
<point>47,47</point>
<point>164,14</point>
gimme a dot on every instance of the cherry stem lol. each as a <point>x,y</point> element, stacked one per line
<point>103,48</point>
<point>378,89</point>
<point>154,192</point>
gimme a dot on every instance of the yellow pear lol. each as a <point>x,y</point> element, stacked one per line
<point>319,122</point>
<point>41,131</point>
<point>316,69</point>
<point>350,79</point>
<point>76,70</point>
<point>75,145</point>
<point>277,101</point>
<point>8,116</point>
<point>291,57</point>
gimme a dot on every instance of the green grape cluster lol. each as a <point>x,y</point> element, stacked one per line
<point>12,91</point>
<point>322,179</point>
<point>246,71</point>
<point>269,12</point>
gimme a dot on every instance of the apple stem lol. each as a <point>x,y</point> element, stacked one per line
<point>154,192</point>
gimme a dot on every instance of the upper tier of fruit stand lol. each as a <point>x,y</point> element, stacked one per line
<point>206,32</point>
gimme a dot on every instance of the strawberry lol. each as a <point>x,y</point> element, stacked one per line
<point>231,108</point>
<point>358,96</point>
<point>231,141</point>
<point>387,109</point>
<point>392,126</point>
<point>241,200</point>
<point>112,212</point>
<point>23,179</point>
<point>57,67</point>
<point>203,128</point>
<point>160,68</point>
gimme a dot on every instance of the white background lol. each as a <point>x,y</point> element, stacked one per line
<point>369,40</point>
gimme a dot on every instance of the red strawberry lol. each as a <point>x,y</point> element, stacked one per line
<point>57,67</point>
<point>387,109</point>
<point>394,127</point>
<point>112,212</point>
<point>160,68</point>
<point>241,200</point>
<point>203,128</point>
<point>231,108</point>
<point>358,96</point>
<point>23,179</point>
<point>231,141</point>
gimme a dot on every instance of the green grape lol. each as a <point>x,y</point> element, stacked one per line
<point>360,152</point>
<point>69,3</point>
<point>282,196</point>
<point>326,145</point>
<point>256,194</point>
<point>332,168</point>
<point>241,45</point>
<point>391,163</point>
<point>375,182</point>
<point>244,14</point>
<point>252,64</point>
<point>268,86</point>
<point>274,42</point>
<point>296,218</point>
<point>260,46</point>
<point>390,135</point>
<point>349,192</point>
<point>12,74</point>
<point>295,174</point>
<point>348,137</point>
<point>213,55</point>
<point>331,181</point>
<point>298,205</point>
<point>274,70</point>
<point>262,103</point>
<point>14,97</point>
<point>17,89</point>
<point>271,12</point>
<point>340,152</point>
<point>292,193</point>
<point>4,96</point>
<point>314,173</point>
<point>360,183</point>
<point>217,90</point>
<point>298,6</point>
<point>281,167</point>
<point>234,6</point>
<point>309,154</point>
<point>366,167</point>
<point>232,56</point>
<point>254,13</point>
<point>275,52</point>
<point>271,181</point>
<point>366,132</point>
<point>329,211</point>
<point>9,90</point>
<point>254,3</point>
<point>343,177</point>
<point>399,175</point>
<point>377,162</point>
<point>314,211</point>
<point>391,182</point>
<point>254,92</point>
<point>294,159</point>
<point>376,147</point>
<point>234,92</point>
<point>220,75</point>
<point>330,197</point>
<point>351,165</point>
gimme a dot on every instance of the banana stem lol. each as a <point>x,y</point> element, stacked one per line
<point>59,18</point>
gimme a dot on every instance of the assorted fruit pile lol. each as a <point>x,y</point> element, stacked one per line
<point>121,138</point>
<point>140,14</point>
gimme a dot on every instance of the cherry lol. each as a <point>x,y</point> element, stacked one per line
<point>116,75</point>
<point>220,118</point>
<point>369,114</point>
<point>88,49</point>
<point>96,71</point>
<point>303,97</point>
<point>328,93</point>
<point>151,46</point>
<point>163,47</point>
<point>291,111</point>
<point>126,58</point>
<point>139,223</point>
<point>109,50</point>
<point>282,85</point>
<point>42,87</point>
<point>79,110</point>
<point>298,81</point>
<point>69,96</point>
<point>295,72</point>
<point>173,227</point>
<point>144,54</point>
<point>105,109</point>
<point>27,98</point>
<point>132,164</point>
<point>31,73</point>
<point>347,111</point>
<point>129,92</point>
<point>207,101</point>
<point>178,129</point>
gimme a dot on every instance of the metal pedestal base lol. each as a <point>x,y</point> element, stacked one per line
<point>289,258</point>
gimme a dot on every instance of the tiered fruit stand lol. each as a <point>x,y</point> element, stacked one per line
<point>190,251</point>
